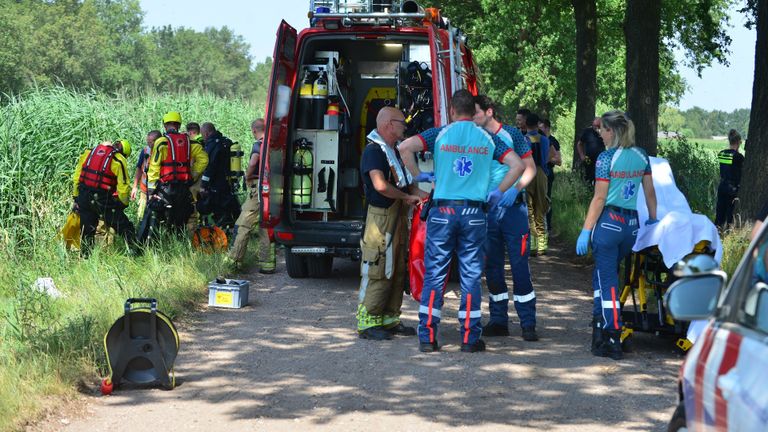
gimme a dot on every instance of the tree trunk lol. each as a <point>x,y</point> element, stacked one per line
<point>754,186</point>
<point>586,67</point>
<point>642,29</point>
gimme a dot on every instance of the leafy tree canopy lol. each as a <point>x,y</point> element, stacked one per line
<point>101,44</point>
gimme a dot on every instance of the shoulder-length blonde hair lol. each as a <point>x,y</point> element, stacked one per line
<point>622,127</point>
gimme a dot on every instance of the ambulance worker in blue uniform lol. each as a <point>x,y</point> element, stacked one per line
<point>508,231</point>
<point>611,225</point>
<point>463,156</point>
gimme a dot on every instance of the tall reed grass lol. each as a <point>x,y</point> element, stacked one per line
<point>49,345</point>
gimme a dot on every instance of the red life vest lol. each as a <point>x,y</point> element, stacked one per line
<point>96,172</point>
<point>176,167</point>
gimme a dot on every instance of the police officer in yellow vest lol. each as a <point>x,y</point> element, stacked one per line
<point>101,191</point>
<point>250,213</point>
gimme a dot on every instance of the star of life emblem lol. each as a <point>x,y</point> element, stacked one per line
<point>462,166</point>
<point>628,190</point>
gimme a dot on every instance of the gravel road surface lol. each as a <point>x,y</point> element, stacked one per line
<point>292,361</point>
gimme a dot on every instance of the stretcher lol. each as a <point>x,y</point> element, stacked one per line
<point>646,273</point>
<point>646,279</point>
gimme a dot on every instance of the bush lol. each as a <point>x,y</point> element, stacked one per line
<point>696,173</point>
<point>570,200</point>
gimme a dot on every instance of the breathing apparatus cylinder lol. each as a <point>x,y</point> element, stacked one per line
<point>305,102</point>
<point>301,181</point>
<point>235,164</point>
<point>319,99</point>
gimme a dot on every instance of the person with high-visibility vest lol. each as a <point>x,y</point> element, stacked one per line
<point>456,223</point>
<point>250,215</point>
<point>175,164</point>
<point>101,191</point>
<point>538,203</point>
<point>731,162</point>
<point>192,130</point>
<point>139,190</point>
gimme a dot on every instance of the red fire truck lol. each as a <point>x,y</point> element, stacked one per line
<point>327,84</point>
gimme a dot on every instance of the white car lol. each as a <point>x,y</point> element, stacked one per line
<point>723,383</point>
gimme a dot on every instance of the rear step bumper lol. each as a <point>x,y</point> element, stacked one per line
<point>340,243</point>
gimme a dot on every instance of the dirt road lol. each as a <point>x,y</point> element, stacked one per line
<point>292,361</point>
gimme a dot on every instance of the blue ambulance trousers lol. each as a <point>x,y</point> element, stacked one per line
<point>612,240</point>
<point>459,229</point>
<point>509,227</point>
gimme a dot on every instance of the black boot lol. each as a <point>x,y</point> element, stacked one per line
<point>492,329</point>
<point>597,334</point>
<point>611,345</point>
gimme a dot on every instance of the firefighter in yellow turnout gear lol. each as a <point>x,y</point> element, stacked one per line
<point>250,213</point>
<point>389,191</point>
<point>101,190</point>
<point>174,165</point>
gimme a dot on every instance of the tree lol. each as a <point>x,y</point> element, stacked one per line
<point>585,12</point>
<point>696,24</point>
<point>642,29</point>
<point>753,193</point>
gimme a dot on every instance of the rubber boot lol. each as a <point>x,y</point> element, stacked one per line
<point>597,334</point>
<point>611,346</point>
<point>534,244</point>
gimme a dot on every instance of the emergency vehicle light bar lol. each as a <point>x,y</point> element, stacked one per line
<point>372,15</point>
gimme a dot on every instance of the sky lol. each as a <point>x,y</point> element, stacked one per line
<point>721,87</point>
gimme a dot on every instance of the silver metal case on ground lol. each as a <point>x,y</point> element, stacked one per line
<point>233,293</point>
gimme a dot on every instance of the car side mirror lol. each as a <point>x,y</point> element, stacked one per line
<point>695,264</point>
<point>695,297</point>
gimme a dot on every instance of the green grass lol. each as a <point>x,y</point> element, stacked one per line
<point>709,144</point>
<point>48,346</point>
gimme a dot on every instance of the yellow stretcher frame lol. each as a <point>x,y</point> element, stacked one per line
<point>641,279</point>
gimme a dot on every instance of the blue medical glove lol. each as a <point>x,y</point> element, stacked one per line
<point>651,221</point>
<point>508,200</point>
<point>582,244</point>
<point>493,197</point>
<point>425,177</point>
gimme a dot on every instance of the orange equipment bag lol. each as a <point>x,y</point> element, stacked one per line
<point>209,239</point>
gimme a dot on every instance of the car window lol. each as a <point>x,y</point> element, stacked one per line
<point>754,312</point>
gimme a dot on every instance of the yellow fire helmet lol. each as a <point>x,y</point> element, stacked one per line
<point>126,147</point>
<point>172,117</point>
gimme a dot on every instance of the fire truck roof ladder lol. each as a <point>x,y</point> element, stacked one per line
<point>379,12</point>
<point>455,40</point>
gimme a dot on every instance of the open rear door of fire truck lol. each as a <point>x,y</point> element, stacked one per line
<point>277,116</point>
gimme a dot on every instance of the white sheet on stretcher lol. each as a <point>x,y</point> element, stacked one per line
<point>679,229</point>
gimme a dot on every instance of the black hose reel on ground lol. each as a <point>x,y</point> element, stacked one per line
<point>141,347</point>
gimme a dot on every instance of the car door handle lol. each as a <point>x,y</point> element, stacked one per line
<point>728,384</point>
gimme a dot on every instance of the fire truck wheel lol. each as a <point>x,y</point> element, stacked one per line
<point>319,266</point>
<point>295,264</point>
